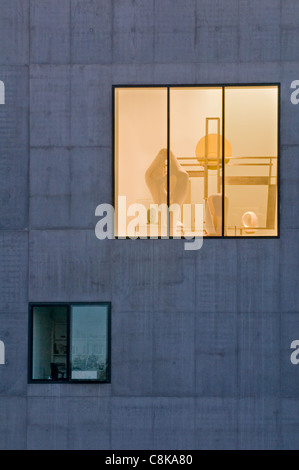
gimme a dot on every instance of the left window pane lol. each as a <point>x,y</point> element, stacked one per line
<point>49,348</point>
<point>140,161</point>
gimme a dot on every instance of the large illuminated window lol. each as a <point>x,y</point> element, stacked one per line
<point>183,146</point>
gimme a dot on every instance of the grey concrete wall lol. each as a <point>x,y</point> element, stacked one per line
<point>200,340</point>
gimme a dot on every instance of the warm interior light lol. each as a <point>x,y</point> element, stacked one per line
<point>195,166</point>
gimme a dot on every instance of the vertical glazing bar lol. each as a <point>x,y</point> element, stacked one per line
<point>30,343</point>
<point>109,342</point>
<point>278,162</point>
<point>223,160</point>
<point>218,155</point>
<point>168,160</point>
<point>115,130</point>
<point>206,162</point>
<point>68,329</point>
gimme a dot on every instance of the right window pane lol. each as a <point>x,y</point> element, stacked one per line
<point>251,128</point>
<point>89,342</point>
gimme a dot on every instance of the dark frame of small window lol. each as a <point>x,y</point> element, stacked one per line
<point>68,380</point>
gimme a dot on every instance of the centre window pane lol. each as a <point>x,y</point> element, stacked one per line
<point>196,157</point>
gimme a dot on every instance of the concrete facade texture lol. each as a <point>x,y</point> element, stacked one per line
<point>200,340</point>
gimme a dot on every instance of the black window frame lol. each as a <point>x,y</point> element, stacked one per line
<point>222,85</point>
<point>68,380</point>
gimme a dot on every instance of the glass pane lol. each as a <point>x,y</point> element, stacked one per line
<point>49,361</point>
<point>196,158</point>
<point>89,342</point>
<point>251,128</point>
<point>140,161</point>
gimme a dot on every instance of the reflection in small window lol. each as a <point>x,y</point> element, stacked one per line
<point>70,342</point>
<point>89,351</point>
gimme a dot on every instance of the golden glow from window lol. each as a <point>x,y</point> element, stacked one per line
<point>190,121</point>
<point>251,127</point>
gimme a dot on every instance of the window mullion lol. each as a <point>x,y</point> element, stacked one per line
<point>69,342</point>
<point>168,161</point>
<point>223,161</point>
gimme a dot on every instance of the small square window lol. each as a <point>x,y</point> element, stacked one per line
<point>69,342</point>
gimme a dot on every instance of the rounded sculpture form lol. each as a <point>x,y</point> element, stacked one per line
<point>249,221</point>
